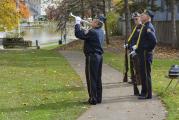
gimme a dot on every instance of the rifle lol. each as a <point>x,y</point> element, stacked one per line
<point>126,55</point>
<point>125,79</point>
<point>137,78</point>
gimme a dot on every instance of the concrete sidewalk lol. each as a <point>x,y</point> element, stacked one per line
<point>118,100</point>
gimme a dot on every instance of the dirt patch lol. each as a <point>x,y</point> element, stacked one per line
<point>75,45</point>
<point>116,46</point>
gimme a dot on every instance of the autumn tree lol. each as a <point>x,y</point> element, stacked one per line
<point>8,15</point>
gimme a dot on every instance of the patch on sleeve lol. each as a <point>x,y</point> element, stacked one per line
<point>149,30</point>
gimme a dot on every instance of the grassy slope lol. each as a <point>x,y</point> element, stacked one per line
<point>160,70</point>
<point>39,85</point>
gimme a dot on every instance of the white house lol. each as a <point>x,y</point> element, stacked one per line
<point>2,35</point>
<point>37,7</point>
<point>164,11</point>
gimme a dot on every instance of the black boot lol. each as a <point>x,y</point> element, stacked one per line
<point>92,101</point>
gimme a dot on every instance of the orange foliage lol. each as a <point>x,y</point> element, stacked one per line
<point>24,10</point>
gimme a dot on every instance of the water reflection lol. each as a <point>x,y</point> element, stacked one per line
<point>43,34</point>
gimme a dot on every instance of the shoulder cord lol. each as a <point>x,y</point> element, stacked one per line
<point>129,39</point>
<point>138,41</point>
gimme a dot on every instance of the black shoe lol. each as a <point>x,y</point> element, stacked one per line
<point>136,94</point>
<point>142,94</point>
<point>144,97</point>
<point>92,101</point>
<point>130,82</point>
<point>149,97</point>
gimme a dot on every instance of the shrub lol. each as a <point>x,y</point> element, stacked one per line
<point>114,26</point>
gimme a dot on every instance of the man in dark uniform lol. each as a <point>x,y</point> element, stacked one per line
<point>144,48</point>
<point>134,61</point>
<point>93,41</point>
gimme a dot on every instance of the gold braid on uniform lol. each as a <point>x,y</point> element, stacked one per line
<point>138,41</point>
<point>129,39</point>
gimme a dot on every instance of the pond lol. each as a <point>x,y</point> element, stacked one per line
<point>45,34</point>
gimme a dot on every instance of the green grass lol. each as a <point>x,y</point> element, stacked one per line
<point>114,60</point>
<point>39,85</point>
<point>50,47</point>
<point>159,71</point>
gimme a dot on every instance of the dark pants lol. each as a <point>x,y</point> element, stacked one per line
<point>93,71</point>
<point>145,70</point>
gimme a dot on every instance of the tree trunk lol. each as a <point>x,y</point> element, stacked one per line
<point>105,23</point>
<point>127,18</point>
<point>128,31</point>
<point>109,5</point>
<point>145,1</point>
<point>93,6</point>
<point>82,9</point>
<point>173,23</point>
<point>168,4</point>
<point>152,4</point>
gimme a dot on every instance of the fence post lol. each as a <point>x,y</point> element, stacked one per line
<point>37,44</point>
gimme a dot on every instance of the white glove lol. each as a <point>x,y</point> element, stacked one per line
<point>126,45</point>
<point>133,53</point>
<point>134,47</point>
<point>78,20</point>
